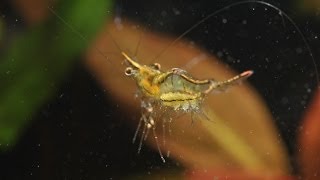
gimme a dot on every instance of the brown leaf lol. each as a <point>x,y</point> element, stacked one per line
<point>309,141</point>
<point>32,11</point>
<point>309,5</point>
<point>242,136</point>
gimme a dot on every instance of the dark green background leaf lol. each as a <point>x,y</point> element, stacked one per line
<point>38,59</point>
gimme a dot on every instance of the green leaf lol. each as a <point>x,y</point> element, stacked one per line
<point>1,29</point>
<point>38,59</point>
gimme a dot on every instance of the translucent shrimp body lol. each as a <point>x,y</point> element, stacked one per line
<point>174,89</point>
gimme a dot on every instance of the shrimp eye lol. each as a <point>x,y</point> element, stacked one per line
<point>128,71</point>
<point>156,66</point>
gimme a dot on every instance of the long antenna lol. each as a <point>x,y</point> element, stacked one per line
<point>282,13</point>
<point>79,34</point>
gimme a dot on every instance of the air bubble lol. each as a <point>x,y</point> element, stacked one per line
<point>118,22</point>
<point>176,11</point>
<point>164,13</point>
<point>299,50</point>
<point>224,21</point>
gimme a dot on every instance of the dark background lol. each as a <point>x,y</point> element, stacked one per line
<point>81,134</point>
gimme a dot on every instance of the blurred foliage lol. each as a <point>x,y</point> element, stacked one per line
<point>309,141</point>
<point>1,29</point>
<point>309,5</point>
<point>39,58</point>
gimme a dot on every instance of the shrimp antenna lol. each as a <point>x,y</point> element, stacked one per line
<point>281,12</point>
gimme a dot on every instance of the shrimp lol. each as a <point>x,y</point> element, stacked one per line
<point>174,89</point>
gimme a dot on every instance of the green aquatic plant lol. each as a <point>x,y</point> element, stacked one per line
<point>37,60</point>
